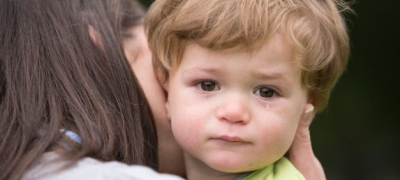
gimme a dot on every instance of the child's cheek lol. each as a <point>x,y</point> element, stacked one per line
<point>186,127</point>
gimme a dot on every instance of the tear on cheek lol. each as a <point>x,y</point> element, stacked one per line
<point>203,114</point>
<point>267,106</point>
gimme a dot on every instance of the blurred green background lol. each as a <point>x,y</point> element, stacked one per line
<point>358,136</point>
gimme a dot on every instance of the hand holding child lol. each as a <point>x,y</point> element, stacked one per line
<point>301,153</point>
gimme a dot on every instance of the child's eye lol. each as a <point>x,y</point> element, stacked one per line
<point>208,86</point>
<point>265,92</point>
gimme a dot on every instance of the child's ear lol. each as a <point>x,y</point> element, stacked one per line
<point>165,85</point>
<point>167,108</point>
<point>162,80</point>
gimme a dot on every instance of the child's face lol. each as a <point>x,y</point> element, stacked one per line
<point>236,111</point>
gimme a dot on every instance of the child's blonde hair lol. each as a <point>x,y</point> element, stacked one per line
<point>315,29</point>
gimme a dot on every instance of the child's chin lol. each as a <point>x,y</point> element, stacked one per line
<point>232,165</point>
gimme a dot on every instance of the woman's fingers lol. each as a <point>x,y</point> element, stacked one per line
<point>301,153</point>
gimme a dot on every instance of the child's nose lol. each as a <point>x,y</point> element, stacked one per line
<point>234,111</point>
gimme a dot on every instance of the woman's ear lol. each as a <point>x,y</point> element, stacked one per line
<point>94,36</point>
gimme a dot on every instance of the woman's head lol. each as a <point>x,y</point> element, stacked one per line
<point>53,76</point>
<point>139,57</point>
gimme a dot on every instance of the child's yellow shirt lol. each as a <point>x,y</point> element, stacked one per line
<point>283,169</point>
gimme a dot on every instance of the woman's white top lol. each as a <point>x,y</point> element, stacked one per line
<point>89,168</point>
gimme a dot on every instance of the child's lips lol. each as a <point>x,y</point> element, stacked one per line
<point>230,138</point>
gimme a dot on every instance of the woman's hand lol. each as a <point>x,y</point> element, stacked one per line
<point>301,153</point>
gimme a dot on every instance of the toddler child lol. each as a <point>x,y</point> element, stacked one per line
<point>241,75</point>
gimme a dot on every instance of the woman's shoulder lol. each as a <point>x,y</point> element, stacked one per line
<point>89,168</point>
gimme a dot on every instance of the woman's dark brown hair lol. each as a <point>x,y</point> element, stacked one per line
<point>132,15</point>
<point>53,76</point>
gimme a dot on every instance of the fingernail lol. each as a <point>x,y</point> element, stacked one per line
<point>309,109</point>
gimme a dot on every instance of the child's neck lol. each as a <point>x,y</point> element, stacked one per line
<point>197,170</point>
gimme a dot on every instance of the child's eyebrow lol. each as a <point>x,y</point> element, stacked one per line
<point>200,69</point>
<point>277,76</point>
